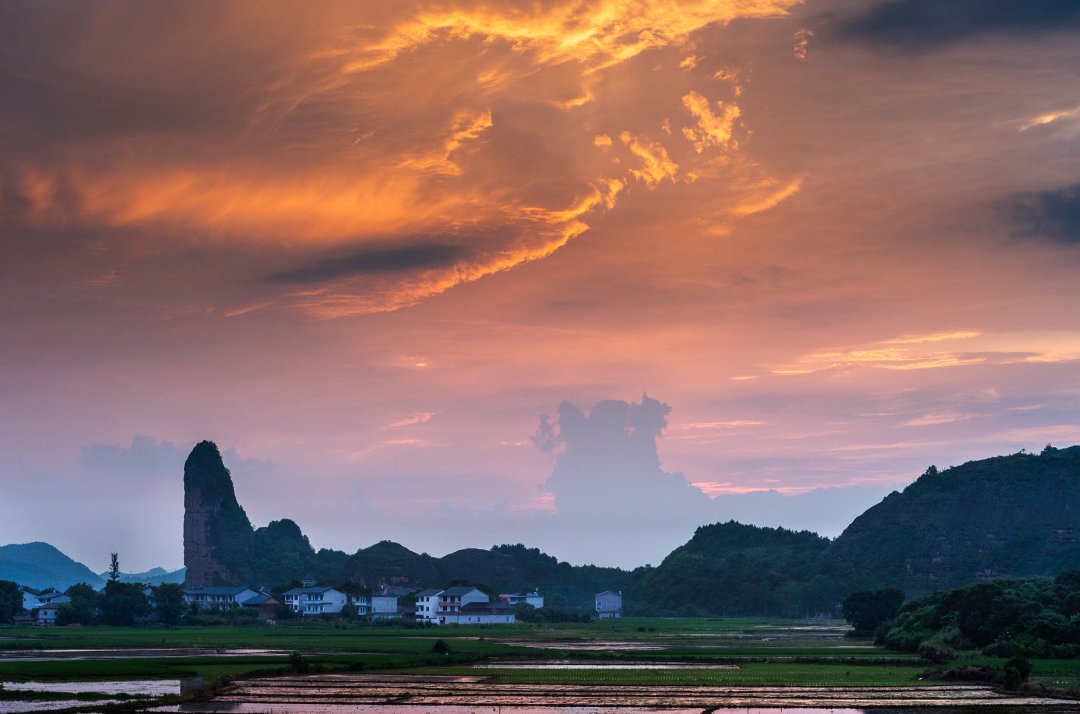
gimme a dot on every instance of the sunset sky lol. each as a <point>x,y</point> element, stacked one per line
<point>580,274</point>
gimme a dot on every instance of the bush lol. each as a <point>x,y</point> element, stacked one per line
<point>937,652</point>
<point>298,664</point>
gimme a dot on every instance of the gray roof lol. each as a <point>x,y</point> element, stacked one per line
<point>259,600</point>
<point>232,590</point>
<point>460,590</point>
<point>306,591</point>
<point>429,592</point>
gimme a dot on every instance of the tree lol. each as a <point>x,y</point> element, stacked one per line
<point>123,603</point>
<point>169,601</point>
<point>83,608</point>
<point>114,567</point>
<point>10,600</point>
<point>349,611</point>
<point>867,610</point>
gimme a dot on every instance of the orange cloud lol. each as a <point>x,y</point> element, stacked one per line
<point>713,129</point>
<point>656,165</point>
<point>406,124</point>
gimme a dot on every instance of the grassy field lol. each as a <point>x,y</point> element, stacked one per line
<point>767,652</point>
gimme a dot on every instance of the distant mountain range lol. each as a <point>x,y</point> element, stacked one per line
<point>154,576</point>
<point>39,565</point>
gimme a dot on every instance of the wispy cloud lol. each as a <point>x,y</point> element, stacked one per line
<point>1051,118</point>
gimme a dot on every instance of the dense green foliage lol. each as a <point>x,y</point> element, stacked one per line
<point>867,610</point>
<point>1038,617</point>
<point>734,569</point>
<point>84,607</point>
<point>123,603</point>
<point>1007,516</point>
<point>10,600</point>
<point>169,602</point>
<point>281,553</point>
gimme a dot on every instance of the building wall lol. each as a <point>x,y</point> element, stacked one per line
<point>609,604</point>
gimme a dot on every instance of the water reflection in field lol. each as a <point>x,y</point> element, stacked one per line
<point>135,687</point>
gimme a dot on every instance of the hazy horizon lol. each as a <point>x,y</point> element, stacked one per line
<point>414,266</point>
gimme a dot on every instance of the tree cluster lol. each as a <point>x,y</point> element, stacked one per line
<point>1035,617</point>
<point>868,610</point>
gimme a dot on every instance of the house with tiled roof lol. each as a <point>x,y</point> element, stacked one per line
<point>220,597</point>
<point>316,600</point>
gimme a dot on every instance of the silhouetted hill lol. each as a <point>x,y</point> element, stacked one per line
<point>1007,516</point>
<point>39,565</point>
<point>1003,516</point>
<point>735,569</point>
<point>217,532</point>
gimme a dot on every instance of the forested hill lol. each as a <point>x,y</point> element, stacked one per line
<point>735,569</point>
<point>282,552</point>
<point>1006,516</point>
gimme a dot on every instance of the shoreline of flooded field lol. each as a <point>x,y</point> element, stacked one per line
<point>338,693</point>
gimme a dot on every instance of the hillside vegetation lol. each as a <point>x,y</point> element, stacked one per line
<point>1035,617</point>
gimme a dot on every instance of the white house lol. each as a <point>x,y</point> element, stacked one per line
<point>52,597</point>
<point>29,600</point>
<point>534,598</point>
<point>608,604</point>
<point>219,597</point>
<point>46,614</point>
<point>427,605</point>
<point>444,606</point>
<point>479,613</point>
<point>384,607</point>
<point>362,603</point>
<point>315,600</point>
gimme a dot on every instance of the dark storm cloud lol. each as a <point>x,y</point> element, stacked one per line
<point>1051,214</point>
<point>371,261</point>
<point>919,25</point>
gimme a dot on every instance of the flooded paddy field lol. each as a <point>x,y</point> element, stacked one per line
<point>56,655</point>
<point>30,696</point>
<point>398,694</point>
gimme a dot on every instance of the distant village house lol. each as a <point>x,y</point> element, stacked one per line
<point>608,605</point>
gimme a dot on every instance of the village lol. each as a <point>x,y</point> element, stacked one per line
<point>454,605</point>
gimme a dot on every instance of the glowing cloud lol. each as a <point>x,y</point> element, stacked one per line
<point>713,128</point>
<point>389,123</point>
<point>656,164</point>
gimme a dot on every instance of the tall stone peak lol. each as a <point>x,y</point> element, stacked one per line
<point>217,532</point>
